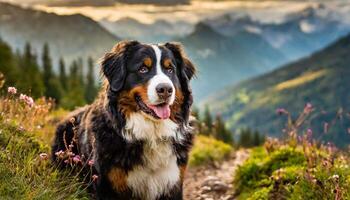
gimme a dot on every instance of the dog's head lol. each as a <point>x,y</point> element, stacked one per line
<point>152,79</point>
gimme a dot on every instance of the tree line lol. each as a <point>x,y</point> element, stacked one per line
<point>69,87</point>
<point>215,127</point>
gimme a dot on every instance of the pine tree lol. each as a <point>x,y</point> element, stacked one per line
<point>256,139</point>
<point>90,89</point>
<point>31,80</point>
<point>75,95</point>
<point>8,65</point>
<point>221,132</point>
<point>208,121</point>
<point>245,139</point>
<point>63,75</point>
<point>53,87</point>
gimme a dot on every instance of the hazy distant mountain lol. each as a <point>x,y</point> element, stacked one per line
<point>300,33</point>
<point>98,2</point>
<point>70,36</point>
<point>158,31</point>
<point>322,79</point>
<point>225,60</point>
<point>158,2</point>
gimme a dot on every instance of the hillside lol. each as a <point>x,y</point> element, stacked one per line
<point>226,60</point>
<point>321,79</point>
<point>69,36</point>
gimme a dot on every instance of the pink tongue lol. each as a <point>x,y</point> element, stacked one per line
<point>162,112</point>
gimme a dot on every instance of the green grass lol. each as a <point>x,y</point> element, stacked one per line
<point>25,176</point>
<point>207,149</point>
<point>284,173</point>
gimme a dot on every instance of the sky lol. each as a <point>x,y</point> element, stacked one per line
<point>263,10</point>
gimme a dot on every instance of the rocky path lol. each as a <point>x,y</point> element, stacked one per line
<point>213,182</point>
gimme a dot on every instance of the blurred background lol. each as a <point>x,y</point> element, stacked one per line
<point>253,57</point>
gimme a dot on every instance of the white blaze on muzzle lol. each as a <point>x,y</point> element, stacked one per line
<point>159,78</point>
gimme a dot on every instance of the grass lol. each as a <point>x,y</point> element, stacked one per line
<point>207,150</point>
<point>25,169</point>
<point>296,168</point>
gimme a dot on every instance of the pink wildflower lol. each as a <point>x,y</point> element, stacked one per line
<point>43,156</point>
<point>22,97</point>
<point>60,154</point>
<point>94,177</point>
<point>91,163</point>
<point>76,159</point>
<point>281,111</point>
<point>309,133</point>
<point>308,108</point>
<point>12,90</point>
<point>28,100</point>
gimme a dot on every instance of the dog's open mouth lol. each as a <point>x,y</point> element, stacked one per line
<point>159,111</point>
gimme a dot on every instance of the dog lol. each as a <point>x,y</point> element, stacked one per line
<point>137,131</point>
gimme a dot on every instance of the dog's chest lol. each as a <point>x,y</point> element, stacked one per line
<point>159,171</point>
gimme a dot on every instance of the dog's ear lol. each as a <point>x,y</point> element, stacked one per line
<point>187,67</point>
<point>113,64</point>
<point>185,73</point>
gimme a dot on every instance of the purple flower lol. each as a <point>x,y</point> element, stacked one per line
<point>12,90</point>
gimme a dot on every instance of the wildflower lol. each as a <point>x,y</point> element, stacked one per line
<point>308,108</point>
<point>91,163</point>
<point>60,154</point>
<point>325,127</point>
<point>28,100</point>
<point>66,161</point>
<point>12,90</point>
<point>335,177</point>
<point>94,177</point>
<point>281,111</point>
<point>76,159</point>
<point>71,146</point>
<point>22,97</point>
<point>309,133</point>
<point>43,156</point>
<point>70,154</point>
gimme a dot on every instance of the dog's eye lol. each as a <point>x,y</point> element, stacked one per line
<point>143,69</point>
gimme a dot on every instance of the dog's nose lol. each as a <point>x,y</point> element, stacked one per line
<point>164,90</point>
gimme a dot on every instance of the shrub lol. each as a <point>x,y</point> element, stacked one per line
<point>207,149</point>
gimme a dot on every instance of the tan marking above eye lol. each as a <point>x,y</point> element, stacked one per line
<point>167,63</point>
<point>147,62</point>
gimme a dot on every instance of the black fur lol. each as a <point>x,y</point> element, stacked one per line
<point>96,131</point>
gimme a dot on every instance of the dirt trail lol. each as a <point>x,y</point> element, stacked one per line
<point>213,182</point>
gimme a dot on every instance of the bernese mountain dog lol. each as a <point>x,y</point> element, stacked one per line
<point>137,131</point>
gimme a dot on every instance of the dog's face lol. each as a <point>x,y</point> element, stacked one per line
<point>152,79</point>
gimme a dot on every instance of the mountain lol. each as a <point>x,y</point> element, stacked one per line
<point>299,34</point>
<point>97,3</point>
<point>158,31</point>
<point>322,79</point>
<point>224,60</point>
<point>69,36</point>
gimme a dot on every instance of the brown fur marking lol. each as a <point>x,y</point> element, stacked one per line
<point>118,179</point>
